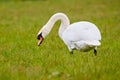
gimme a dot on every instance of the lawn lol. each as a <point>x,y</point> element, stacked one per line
<point>22,59</point>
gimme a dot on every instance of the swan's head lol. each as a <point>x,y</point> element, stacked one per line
<point>40,38</point>
<point>42,34</point>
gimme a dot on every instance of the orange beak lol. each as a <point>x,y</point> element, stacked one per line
<point>40,41</point>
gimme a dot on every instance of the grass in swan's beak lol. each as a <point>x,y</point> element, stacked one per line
<point>22,59</point>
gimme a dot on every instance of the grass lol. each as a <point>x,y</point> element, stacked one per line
<point>22,59</point>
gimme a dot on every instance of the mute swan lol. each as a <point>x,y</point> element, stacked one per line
<point>82,35</point>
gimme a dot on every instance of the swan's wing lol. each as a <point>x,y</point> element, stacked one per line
<point>82,31</point>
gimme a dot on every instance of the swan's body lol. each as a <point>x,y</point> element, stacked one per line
<point>82,36</point>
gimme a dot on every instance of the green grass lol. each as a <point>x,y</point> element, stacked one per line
<point>22,59</point>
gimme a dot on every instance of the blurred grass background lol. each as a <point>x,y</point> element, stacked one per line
<point>22,59</point>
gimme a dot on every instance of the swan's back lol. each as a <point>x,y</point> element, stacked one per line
<point>82,31</point>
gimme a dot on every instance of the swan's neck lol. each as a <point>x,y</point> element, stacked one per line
<point>64,24</point>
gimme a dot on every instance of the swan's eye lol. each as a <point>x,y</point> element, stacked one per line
<point>40,38</point>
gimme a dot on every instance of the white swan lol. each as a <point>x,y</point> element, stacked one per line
<point>82,36</point>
